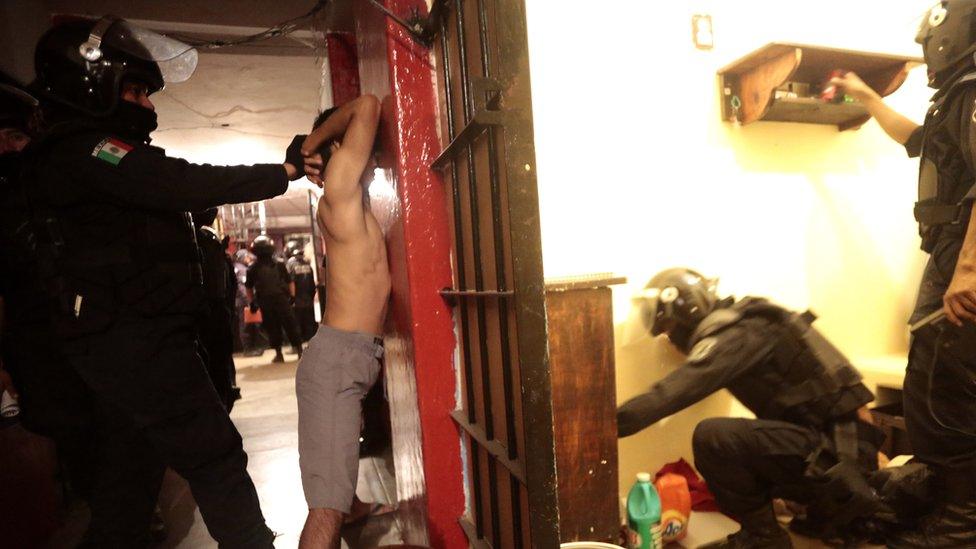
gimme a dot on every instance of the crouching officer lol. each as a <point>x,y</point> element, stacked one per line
<point>808,443</point>
<point>116,252</point>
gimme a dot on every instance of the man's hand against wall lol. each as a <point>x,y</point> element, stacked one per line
<point>960,299</point>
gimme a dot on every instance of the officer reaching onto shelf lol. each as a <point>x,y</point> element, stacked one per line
<point>938,394</point>
<point>811,441</point>
<point>105,217</point>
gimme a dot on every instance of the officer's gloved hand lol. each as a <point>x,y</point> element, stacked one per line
<point>293,155</point>
<point>253,307</point>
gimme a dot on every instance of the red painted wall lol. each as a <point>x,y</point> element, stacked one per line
<point>343,64</point>
<point>421,332</point>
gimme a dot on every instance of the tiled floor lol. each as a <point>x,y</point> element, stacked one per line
<point>267,418</point>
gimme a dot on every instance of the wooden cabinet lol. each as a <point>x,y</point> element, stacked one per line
<point>749,85</point>
<point>581,359</point>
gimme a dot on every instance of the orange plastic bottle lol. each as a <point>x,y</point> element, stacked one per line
<point>675,506</point>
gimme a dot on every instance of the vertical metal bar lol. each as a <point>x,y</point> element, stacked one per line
<point>497,225</point>
<point>516,488</point>
<point>478,275</point>
<point>458,233</point>
<point>475,237</point>
<point>316,256</point>
<point>463,62</point>
<point>462,304</point>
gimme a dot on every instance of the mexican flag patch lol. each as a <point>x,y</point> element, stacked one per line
<point>111,150</point>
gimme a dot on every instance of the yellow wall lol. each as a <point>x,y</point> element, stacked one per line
<point>638,173</point>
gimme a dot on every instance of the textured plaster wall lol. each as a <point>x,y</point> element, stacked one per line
<point>638,173</point>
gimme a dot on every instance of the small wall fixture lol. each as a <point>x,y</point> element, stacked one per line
<point>701,32</point>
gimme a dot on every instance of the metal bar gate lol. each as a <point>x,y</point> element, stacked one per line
<point>489,166</point>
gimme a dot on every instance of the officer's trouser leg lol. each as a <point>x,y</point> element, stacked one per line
<point>748,462</point>
<point>128,475</point>
<point>940,405</point>
<point>286,314</point>
<point>271,322</point>
<point>150,371</point>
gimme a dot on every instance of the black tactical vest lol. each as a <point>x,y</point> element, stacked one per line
<point>214,264</point>
<point>804,380</point>
<point>134,261</point>
<point>945,170</point>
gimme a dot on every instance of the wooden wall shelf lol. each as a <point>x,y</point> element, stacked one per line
<point>748,86</point>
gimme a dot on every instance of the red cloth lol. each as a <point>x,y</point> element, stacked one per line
<point>701,498</point>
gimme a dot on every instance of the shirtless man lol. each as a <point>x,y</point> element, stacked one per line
<point>343,358</point>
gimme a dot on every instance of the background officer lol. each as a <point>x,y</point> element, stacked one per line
<point>215,323</point>
<point>117,253</point>
<point>804,393</point>
<point>270,288</point>
<point>939,399</point>
<point>300,270</point>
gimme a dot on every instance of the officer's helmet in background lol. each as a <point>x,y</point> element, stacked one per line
<point>294,248</point>
<point>17,109</point>
<point>82,63</point>
<point>675,301</point>
<point>263,247</point>
<point>948,38</point>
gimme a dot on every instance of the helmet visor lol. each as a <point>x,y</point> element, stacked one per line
<point>649,300</point>
<point>176,60</point>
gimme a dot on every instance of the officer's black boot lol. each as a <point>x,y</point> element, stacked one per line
<point>278,356</point>
<point>760,530</point>
<point>952,524</point>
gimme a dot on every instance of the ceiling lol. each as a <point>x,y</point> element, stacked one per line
<point>244,103</point>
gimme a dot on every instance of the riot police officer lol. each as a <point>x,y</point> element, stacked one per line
<point>270,288</point>
<point>215,324</point>
<point>116,252</point>
<point>300,270</point>
<point>940,408</point>
<point>52,398</point>
<point>803,391</point>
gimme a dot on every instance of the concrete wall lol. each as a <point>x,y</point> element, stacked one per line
<point>637,173</point>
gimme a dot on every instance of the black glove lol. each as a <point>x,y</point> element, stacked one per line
<point>293,154</point>
<point>253,307</point>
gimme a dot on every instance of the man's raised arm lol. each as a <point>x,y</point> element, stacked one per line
<point>354,126</point>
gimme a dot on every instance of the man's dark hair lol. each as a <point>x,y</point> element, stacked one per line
<point>323,116</point>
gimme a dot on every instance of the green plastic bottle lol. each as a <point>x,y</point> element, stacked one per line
<point>643,515</point>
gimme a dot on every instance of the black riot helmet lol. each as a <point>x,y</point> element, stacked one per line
<point>82,63</point>
<point>675,301</point>
<point>948,38</point>
<point>17,106</point>
<point>262,247</point>
<point>204,218</point>
<point>294,248</point>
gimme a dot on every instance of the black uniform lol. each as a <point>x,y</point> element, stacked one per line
<point>118,254</point>
<point>301,273</point>
<point>269,279</point>
<point>54,401</point>
<point>756,351</point>
<point>215,325</point>
<point>940,389</point>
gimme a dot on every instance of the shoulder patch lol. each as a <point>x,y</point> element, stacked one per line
<point>111,150</point>
<point>703,349</point>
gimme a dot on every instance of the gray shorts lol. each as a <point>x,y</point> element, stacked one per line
<point>334,375</point>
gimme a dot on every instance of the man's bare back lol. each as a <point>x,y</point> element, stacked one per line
<point>358,286</point>
<point>358,278</point>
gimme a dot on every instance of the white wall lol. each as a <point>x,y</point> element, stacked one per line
<point>638,173</point>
